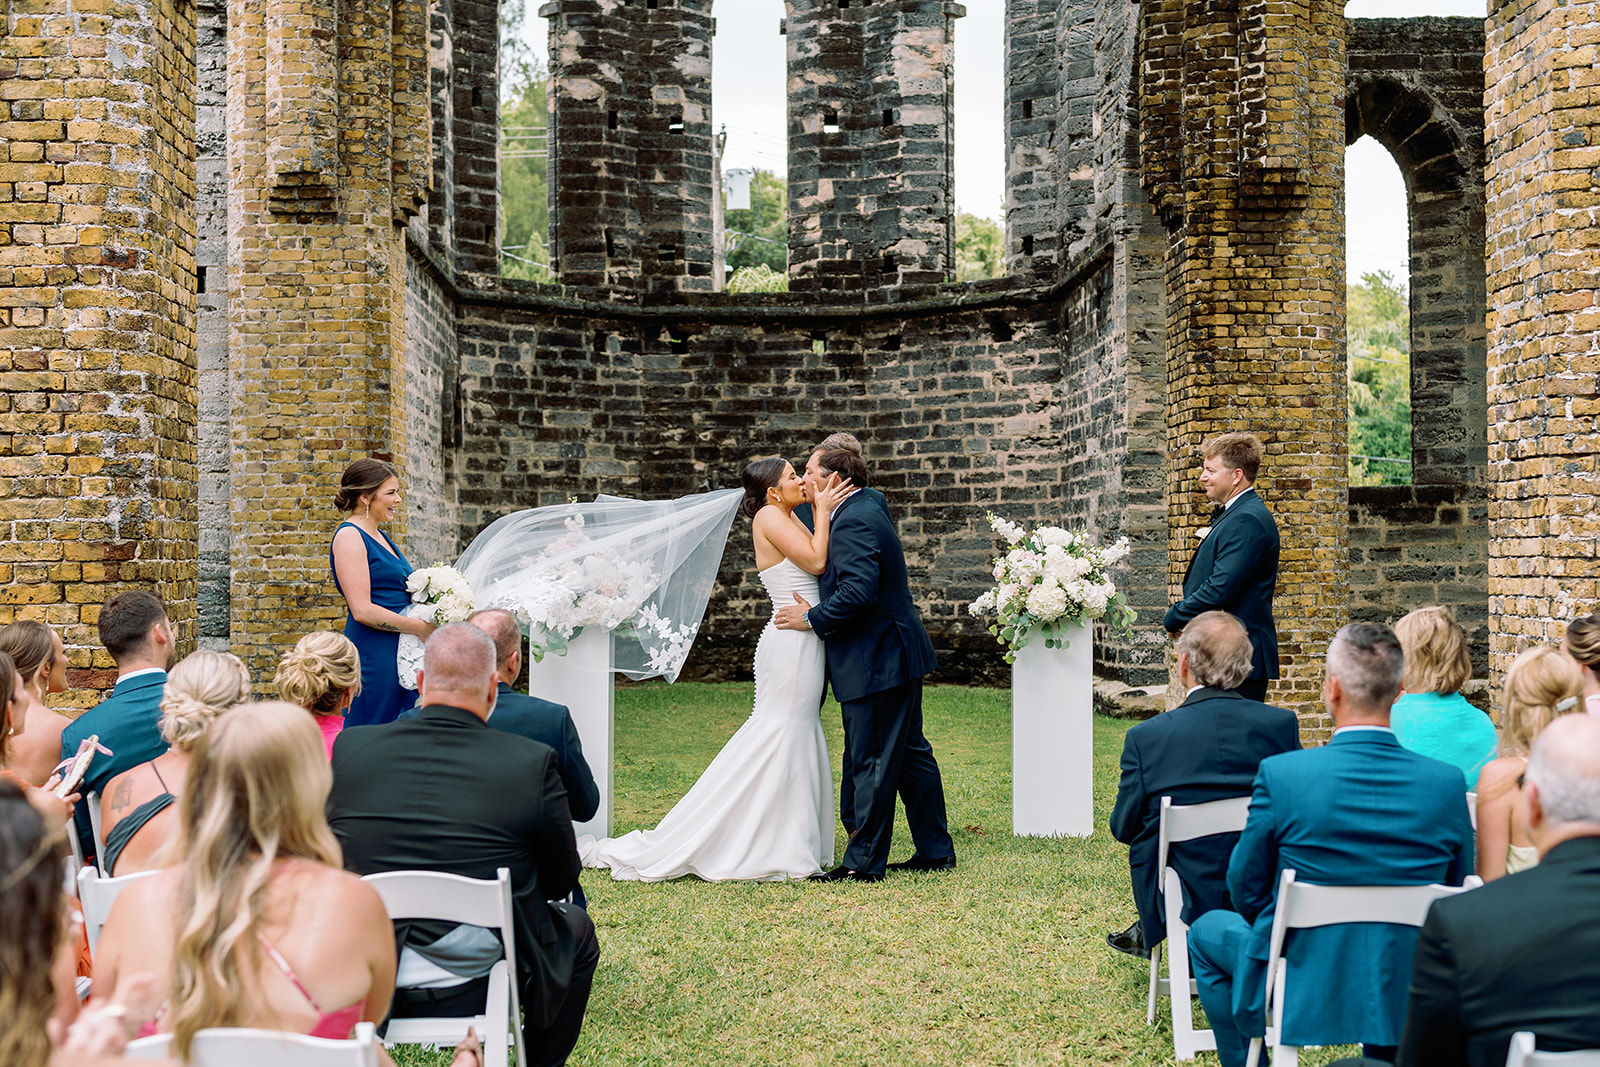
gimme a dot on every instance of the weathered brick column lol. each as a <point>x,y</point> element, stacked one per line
<point>871,139</point>
<point>1242,139</point>
<point>97,357</point>
<point>1543,138</point>
<point>316,287</point>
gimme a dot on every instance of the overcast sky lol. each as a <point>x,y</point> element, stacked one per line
<point>748,99</point>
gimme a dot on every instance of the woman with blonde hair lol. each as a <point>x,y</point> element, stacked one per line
<point>1582,643</point>
<point>137,810</point>
<point>1541,683</point>
<point>323,675</point>
<point>40,657</point>
<point>1431,717</point>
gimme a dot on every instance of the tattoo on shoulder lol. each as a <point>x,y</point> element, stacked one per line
<point>119,796</point>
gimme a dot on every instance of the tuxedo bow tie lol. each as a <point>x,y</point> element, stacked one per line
<point>1217,512</point>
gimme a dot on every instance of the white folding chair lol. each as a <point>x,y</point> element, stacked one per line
<point>242,1047</point>
<point>97,894</point>
<point>1301,905</point>
<point>452,898</point>
<point>1185,822</point>
<point>1523,1054</point>
<point>1472,809</point>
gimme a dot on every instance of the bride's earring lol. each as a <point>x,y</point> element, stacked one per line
<point>369,509</point>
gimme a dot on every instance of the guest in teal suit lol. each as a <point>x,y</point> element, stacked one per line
<point>135,630</point>
<point>370,572</point>
<point>1432,717</point>
<point>1360,810</point>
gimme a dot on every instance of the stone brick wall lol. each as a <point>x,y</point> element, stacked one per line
<point>1542,132</point>
<point>1412,546</point>
<point>316,299</point>
<point>966,399</point>
<point>1032,70</point>
<point>1255,287</point>
<point>97,357</point>
<point>474,116</point>
<point>431,418</point>
<point>211,284</point>
<point>871,188</point>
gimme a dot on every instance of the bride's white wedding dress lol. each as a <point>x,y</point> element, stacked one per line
<point>763,810</point>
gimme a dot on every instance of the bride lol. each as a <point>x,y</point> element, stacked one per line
<point>763,810</point>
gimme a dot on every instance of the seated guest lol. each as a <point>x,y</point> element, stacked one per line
<point>41,658</point>
<point>1360,810</point>
<point>1431,716</point>
<point>1582,643</point>
<point>138,815</point>
<point>260,925</point>
<point>538,720</point>
<point>1207,748</point>
<point>40,1023</point>
<point>134,629</point>
<point>1520,955</point>
<point>54,810</point>
<point>444,792</point>
<point>323,675</point>
<point>1540,684</point>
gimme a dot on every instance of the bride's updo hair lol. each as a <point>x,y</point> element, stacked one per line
<point>758,477</point>
<point>360,478</point>
<point>201,687</point>
<point>323,667</point>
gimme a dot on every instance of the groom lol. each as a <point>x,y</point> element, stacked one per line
<point>878,652</point>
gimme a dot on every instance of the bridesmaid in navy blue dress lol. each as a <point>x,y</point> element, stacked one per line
<point>371,571</point>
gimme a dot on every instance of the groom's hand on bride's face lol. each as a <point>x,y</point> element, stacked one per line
<point>793,616</point>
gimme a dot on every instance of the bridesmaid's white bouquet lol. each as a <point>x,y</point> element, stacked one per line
<point>439,594</point>
<point>445,589</point>
<point>1048,580</point>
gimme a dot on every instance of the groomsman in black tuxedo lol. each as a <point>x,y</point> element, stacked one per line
<point>1207,748</point>
<point>1235,569</point>
<point>878,652</point>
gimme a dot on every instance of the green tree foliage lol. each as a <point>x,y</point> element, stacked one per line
<point>758,279</point>
<point>759,235</point>
<point>980,248</point>
<point>1379,335</point>
<point>524,192</point>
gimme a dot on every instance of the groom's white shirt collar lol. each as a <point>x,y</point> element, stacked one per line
<point>853,491</point>
<point>1238,497</point>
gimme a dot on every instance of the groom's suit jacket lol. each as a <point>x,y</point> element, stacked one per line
<point>874,637</point>
<point>803,510</point>
<point>1207,748</point>
<point>1235,569</point>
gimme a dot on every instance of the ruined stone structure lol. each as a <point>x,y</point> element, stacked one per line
<point>1174,240</point>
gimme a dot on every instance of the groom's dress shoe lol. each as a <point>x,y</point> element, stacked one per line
<point>919,862</point>
<point>844,874</point>
<point>1130,941</point>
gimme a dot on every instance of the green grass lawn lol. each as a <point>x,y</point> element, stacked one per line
<point>1001,962</point>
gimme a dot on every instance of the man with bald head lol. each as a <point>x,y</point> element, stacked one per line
<point>444,792</point>
<point>1207,748</point>
<point>1521,953</point>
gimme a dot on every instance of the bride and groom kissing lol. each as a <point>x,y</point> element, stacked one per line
<point>832,565</point>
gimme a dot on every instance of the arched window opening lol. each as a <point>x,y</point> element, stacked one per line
<point>1378,320</point>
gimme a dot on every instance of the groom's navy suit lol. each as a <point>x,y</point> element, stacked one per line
<point>878,653</point>
<point>1235,569</point>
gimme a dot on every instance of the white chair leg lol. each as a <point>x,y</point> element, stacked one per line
<point>1254,1058</point>
<point>495,1010</point>
<point>1155,986</point>
<point>1286,1056</point>
<point>1184,1045</point>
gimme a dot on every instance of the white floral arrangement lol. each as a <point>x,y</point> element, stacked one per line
<point>1048,580</point>
<point>555,603</point>
<point>439,594</point>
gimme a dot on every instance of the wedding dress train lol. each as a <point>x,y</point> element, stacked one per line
<point>763,810</point>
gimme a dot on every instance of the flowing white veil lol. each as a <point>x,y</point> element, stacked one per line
<point>642,569</point>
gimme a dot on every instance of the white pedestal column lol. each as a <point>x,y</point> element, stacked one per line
<point>1052,738</point>
<point>582,680</point>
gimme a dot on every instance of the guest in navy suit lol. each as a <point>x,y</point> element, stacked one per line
<point>1208,748</point>
<point>877,654</point>
<point>1235,569</point>
<point>1360,810</point>
<point>135,630</point>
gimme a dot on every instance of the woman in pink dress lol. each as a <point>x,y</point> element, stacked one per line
<point>323,675</point>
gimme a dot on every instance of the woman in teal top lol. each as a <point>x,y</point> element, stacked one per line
<point>1431,717</point>
<point>370,571</point>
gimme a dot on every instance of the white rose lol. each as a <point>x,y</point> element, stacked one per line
<point>1047,601</point>
<point>1052,535</point>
